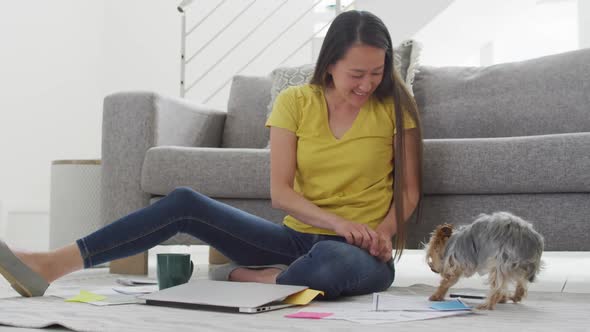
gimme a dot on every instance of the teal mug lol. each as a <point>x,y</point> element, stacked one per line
<point>174,269</point>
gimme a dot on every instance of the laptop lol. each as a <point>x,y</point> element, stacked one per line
<point>245,297</point>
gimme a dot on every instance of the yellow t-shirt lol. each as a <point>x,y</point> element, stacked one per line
<point>351,176</point>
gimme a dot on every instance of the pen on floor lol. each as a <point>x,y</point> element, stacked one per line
<point>467,296</point>
<point>375,301</point>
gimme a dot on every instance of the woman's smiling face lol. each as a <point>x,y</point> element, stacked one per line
<point>356,76</point>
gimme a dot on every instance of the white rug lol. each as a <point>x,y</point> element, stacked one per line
<point>540,312</point>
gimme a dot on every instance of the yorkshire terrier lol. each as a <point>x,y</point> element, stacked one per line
<point>502,245</point>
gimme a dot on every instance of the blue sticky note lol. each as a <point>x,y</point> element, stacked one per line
<point>452,305</point>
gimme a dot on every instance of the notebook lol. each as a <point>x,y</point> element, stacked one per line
<point>246,297</point>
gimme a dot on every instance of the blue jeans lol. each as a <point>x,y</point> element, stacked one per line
<point>322,262</point>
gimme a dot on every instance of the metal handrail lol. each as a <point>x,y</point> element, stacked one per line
<point>203,75</point>
<point>252,59</point>
<point>221,31</point>
<point>184,35</point>
<point>205,17</point>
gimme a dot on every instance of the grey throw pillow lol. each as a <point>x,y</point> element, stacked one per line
<point>284,77</point>
<point>405,61</point>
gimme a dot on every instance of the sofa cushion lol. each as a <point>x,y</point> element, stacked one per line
<point>215,172</point>
<point>534,164</point>
<point>547,95</point>
<point>246,113</point>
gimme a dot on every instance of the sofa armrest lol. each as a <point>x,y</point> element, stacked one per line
<point>133,122</point>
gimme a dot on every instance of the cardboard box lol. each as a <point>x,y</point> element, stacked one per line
<point>137,264</point>
<point>215,257</point>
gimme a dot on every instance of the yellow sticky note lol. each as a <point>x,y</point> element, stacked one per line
<point>86,297</point>
<point>303,297</point>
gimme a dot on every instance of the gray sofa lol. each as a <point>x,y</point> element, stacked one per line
<point>513,137</point>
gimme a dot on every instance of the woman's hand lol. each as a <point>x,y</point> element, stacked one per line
<point>359,235</point>
<point>385,230</point>
<point>384,247</point>
<point>377,243</point>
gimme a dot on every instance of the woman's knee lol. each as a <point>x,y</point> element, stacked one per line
<point>185,201</point>
<point>182,191</point>
<point>338,268</point>
<point>349,270</point>
<point>185,194</point>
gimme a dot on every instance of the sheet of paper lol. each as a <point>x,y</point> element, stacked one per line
<point>337,305</point>
<point>372,317</point>
<point>117,300</point>
<point>136,281</point>
<point>101,297</point>
<point>381,317</point>
<point>388,302</point>
<point>67,292</point>
<point>398,309</point>
<point>136,290</point>
<point>303,297</point>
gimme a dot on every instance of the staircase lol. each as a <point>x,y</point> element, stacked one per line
<point>222,38</point>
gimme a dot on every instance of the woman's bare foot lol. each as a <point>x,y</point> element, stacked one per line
<point>267,275</point>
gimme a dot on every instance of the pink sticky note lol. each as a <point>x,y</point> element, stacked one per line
<point>309,315</point>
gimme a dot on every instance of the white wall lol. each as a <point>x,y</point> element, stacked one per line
<point>485,32</point>
<point>50,80</point>
<point>142,44</point>
<point>404,18</point>
<point>456,35</point>
<point>584,23</point>
<point>60,58</point>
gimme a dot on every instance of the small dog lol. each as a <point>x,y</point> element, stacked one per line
<point>502,245</point>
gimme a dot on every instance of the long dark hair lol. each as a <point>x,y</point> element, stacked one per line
<point>361,27</point>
